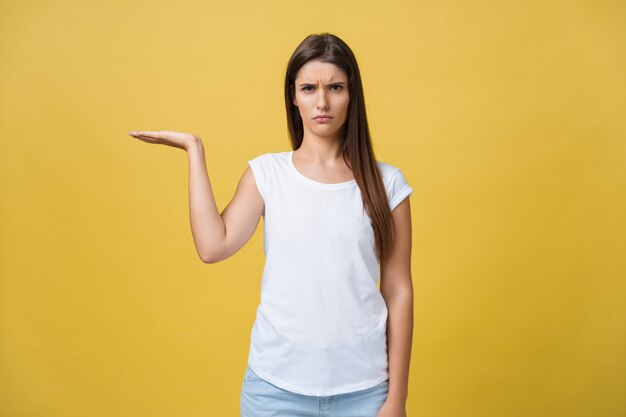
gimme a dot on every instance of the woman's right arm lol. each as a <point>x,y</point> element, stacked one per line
<point>216,236</point>
<point>219,236</point>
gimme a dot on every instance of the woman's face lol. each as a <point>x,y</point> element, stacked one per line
<point>321,88</point>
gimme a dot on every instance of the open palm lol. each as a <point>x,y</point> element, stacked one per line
<point>165,137</point>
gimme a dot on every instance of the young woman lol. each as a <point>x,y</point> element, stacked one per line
<point>326,340</point>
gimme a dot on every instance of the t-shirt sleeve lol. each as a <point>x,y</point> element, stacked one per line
<point>256,164</point>
<point>397,189</point>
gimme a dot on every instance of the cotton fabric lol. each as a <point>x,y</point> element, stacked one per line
<point>320,328</point>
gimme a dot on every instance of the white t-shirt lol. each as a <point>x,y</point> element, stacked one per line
<point>320,327</point>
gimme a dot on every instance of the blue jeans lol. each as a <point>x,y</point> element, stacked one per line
<point>259,398</point>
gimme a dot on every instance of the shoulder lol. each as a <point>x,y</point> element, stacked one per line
<point>396,185</point>
<point>267,165</point>
<point>387,171</point>
<point>268,157</point>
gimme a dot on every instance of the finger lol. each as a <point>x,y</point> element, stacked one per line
<point>147,139</point>
<point>136,135</point>
<point>152,134</point>
<point>142,132</point>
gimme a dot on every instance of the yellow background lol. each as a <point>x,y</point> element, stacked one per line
<point>507,118</point>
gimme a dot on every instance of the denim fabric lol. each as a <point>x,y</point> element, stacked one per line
<point>259,398</point>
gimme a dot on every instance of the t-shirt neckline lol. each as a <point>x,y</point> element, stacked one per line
<point>308,180</point>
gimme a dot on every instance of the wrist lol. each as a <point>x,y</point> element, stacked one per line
<point>396,398</point>
<point>194,144</point>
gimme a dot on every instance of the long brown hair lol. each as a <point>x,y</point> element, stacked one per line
<point>357,146</point>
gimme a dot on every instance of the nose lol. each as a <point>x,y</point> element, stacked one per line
<point>322,102</point>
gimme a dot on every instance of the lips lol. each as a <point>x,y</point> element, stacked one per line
<point>323,117</point>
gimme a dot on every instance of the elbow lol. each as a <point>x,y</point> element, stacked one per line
<point>209,257</point>
<point>207,260</point>
<point>211,252</point>
<point>404,293</point>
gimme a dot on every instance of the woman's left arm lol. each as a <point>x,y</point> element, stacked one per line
<point>397,289</point>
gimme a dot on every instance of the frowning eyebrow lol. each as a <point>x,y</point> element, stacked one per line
<point>337,82</point>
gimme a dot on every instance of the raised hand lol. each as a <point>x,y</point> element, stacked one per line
<point>165,137</point>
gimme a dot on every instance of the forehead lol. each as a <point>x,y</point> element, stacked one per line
<point>321,71</point>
